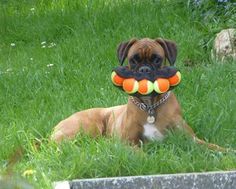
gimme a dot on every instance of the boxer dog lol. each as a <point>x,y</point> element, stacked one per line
<point>130,121</point>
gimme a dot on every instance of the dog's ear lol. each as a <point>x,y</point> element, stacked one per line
<point>122,50</point>
<point>170,49</point>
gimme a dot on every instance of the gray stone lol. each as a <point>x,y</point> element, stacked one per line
<point>207,180</point>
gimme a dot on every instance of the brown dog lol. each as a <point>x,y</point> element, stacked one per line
<point>130,121</point>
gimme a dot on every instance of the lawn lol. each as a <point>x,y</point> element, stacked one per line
<point>56,58</point>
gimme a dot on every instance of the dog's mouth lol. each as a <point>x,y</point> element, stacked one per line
<point>144,80</point>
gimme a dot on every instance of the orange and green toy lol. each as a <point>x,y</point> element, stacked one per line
<point>161,85</point>
<point>135,83</point>
<point>116,80</point>
<point>130,85</point>
<point>175,80</point>
<point>145,87</point>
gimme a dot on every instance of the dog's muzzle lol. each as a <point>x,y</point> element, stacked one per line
<point>145,69</point>
<point>145,72</point>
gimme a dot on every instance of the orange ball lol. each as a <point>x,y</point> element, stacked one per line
<point>161,85</point>
<point>130,85</point>
<point>145,87</point>
<point>116,80</point>
<point>175,80</point>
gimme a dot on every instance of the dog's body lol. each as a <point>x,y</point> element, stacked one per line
<point>129,122</point>
<point>126,121</point>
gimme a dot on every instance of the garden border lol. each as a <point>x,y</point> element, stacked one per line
<point>209,180</point>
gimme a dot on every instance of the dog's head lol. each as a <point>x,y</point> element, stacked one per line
<point>147,55</point>
<point>147,67</point>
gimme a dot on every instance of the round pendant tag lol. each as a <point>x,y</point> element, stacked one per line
<point>150,119</point>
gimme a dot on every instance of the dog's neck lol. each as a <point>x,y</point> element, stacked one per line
<point>149,100</point>
<point>149,103</point>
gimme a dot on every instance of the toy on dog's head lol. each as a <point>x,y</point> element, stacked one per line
<point>146,72</point>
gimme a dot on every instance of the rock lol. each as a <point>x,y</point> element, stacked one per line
<point>225,45</point>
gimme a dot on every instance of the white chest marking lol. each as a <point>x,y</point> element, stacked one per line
<point>151,132</point>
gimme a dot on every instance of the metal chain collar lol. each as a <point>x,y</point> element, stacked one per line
<point>147,108</point>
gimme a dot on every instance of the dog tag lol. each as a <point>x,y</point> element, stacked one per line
<point>150,119</point>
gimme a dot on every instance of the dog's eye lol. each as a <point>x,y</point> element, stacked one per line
<point>136,58</point>
<point>155,59</point>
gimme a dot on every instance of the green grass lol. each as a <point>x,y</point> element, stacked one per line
<point>35,97</point>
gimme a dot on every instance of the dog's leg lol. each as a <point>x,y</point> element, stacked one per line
<point>211,146</point>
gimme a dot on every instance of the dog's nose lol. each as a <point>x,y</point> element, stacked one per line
<point>144,69</point>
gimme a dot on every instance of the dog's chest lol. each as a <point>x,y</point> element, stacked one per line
<point>150,132</point>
